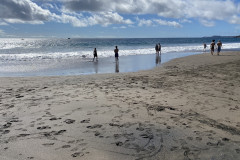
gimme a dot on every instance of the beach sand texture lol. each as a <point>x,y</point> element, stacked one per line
<point>189,108</point>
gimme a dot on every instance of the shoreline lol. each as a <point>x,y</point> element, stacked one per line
<point>186,109</point>
<point>131,63</point>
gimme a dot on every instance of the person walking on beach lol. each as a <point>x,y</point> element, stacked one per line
<point>219,45</point>
<point>95,55</point>
<point>204,47</point>
<point>116,53</point>
<point>212,45</point>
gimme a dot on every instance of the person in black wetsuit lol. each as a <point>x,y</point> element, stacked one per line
<point>95,55</point>
<point>116,53</point>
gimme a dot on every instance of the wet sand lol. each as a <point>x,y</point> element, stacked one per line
<point>86,66</point>
<point>186,109</point>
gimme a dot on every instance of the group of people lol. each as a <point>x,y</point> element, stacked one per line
<point>96,56</point>
<point>158,49</point>
<point>213,46</point>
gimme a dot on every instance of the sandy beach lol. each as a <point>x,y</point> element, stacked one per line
<point>188,108</point>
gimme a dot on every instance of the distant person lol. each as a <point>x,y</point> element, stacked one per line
<point>116,53</point>
<point>212,45</point>
<point>219,46</point>
<point>156,49</point>
<point>159,48</point>
<point>204,47</point>
<point>95,55</point>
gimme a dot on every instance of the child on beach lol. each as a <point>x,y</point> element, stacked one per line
<point>219,45</point>
<point>95,55</point>
<point>116,53</point>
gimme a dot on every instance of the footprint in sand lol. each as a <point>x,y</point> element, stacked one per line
<point>49,134</point>
<point>30,157</point>
<point>225,139</point>
<point>7,125</point>
<point>78,154</point>
<point>85,121</point>
<point>174,148</point>
<point>54,119</point>
<point>69,121</point>
<point>23,135</point>
<point>48,144</point>
<point>119,143</point>
<point>43,127</point>
<point>147,136</point>
<point>237,150</point>
<point>190,138</point>
<point>95,126</point>
<point>5,131</point>
<point>198,138</point>
<point>66,146</point>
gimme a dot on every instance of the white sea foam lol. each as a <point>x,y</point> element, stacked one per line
<point>105,53</point>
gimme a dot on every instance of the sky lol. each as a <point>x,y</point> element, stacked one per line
<point>119,18</point>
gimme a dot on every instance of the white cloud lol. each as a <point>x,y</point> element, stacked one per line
<point>235,20</point>
<point>22,21</point>
<point>121,27</point>
<point>107,18</point>
<point>207,23</point>
<point>24,11</point>
<point>107,12</point>
<point>2,23</point>
<point>104,19</point>
<point>211,9</point>
<point>144,22</point>
<point>155,22</point>
<point>47,5</point>
<point>185,21</point>
<point>226,10</point>
<point>75,21</point>
<point>168,23</point>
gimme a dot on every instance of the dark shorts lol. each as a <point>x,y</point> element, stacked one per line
<point>116,55</point>
<point>219,49</point>
<point>95,55</point>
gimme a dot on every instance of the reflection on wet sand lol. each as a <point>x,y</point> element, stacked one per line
<point>117,66</point>
<point>158,59</point>
<point>95,66</point>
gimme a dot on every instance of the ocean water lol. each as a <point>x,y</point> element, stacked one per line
<point>46,57</point>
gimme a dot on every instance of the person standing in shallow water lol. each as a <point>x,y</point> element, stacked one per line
<point>204,47</point>
<point>219,45</point>
<point>212,45</point>
<point>116,53</point>
<point>95,55</point>
<point>156,49</point>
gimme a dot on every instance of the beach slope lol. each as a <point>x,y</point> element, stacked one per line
<point>189,108</point>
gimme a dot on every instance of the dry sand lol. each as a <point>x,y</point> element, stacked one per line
<point>187,109</point>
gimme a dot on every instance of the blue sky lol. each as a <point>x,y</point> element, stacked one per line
<point>119,18</point>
